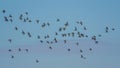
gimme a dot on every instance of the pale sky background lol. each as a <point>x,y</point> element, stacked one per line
<point>95,14</point>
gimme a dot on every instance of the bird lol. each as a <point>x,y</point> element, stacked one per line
<point>81,56</point>
<point>41,41</point>
<point>77,43</point>
<point>10,15</point>
<point>90,49</point>
<point>81,51</point>
<point>26,50</point>
<point>58,20</point>
<point>6,19</point>
<point>19,49</point>
<point>66,24</point>
<point>37,61</point>
<point>9,50</point>
<point>12,56</point>
<point>96,42</point>
<point>81,22</point>
<point>75,29</point>
<point>10,40</point>
<point>99,35</point>
<point>30,21</point>
<point>38,37</point>
<point>65,41</point>
<point>68,49</point>
<point>16,28</point>
<point>113,29</point>
<point>85,28</point>
<point>23,32</point>
<point>20,17</point>
<point>50,47</point>
<point>60,29</point>
<point>26,13</point>
<point>56,33</point>
<point>48,24</point>
<point>3,11</point>
<point>37,21</point>
<point>11,20</point>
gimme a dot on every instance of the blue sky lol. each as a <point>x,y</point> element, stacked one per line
<point>95,14</point>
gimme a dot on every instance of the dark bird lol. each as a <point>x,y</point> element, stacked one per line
<point>16,28</point>
<point>10,15</point>
<point>48,24</point>
<point>85,28</point>
<point>68,34</point>
<point>38,37</point>
<point>75,29</point>
<point>96,42</point>
<point>20,17</point>
<point>81,51</point>
<point>6,19</point>
<point>81,22</point>
<point>65,41</point>
<point>113,29</point>
<point>3,11</point>
<point>10,40</point>
<point>64,28</point>
<point>30,21</point>
<point>11,20</point>
<point>12,56</point>
<point>37,61</point>
<point>90,49</point>
<point>43,25</point>
<point>29,34</point>
<point>58,20</point>
<point>93,37</point>
<point>37,21</point>
<point>24,20</point>
<point>106,29</point>
<point>66,24</point>
<point>81,56</point>
<point>68,49</point>
<point>77,43</point>
<point>86,35</point>
<point>26,13</point>
<point>50,47</point>
<point>19,49</point>
<point>9,50</point>
<point>99,35</point>
<point>73,34</point>
<point>26,50</point>
<point>60,29</point>
<point>56,33</point>
<point>23,32</point>
<point>41,41</point>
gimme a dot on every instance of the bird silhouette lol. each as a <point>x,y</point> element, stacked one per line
<point>90,49</point>
<point>50,47</point>
<point>38,37</point>
<point>26,50</point>
<point>16,28</point>
<point>68,49</point>
<point>58,20</point>
<point>23,32</point>
<point>10,40</point>
<point>6,19</point>
<point>3,11</point>
<point>9,50</point>
<point>37,61</point>
<point>12,56</point>
<point>19,49</point>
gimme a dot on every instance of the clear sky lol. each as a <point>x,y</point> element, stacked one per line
<point>95,14</point>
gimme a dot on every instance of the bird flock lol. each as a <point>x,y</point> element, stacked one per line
<point>61,32</point>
